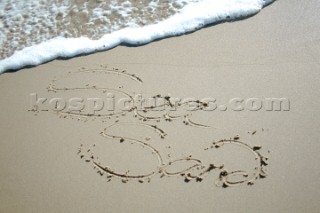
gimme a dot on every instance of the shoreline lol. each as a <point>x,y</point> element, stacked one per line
<point>183,22</point>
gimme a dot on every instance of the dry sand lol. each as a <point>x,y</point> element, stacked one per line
<point>271,55</point>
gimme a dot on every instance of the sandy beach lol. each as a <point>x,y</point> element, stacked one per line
<point>130,162</point>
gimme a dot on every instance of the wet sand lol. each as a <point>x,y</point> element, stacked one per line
<point>58,162</point>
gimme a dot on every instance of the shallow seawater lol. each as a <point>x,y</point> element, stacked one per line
<point>36,31</point>
<point>29,22</point>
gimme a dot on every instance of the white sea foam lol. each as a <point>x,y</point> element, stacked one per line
<point>193,16</point>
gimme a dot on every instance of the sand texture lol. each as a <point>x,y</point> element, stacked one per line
<point>151,160</point>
